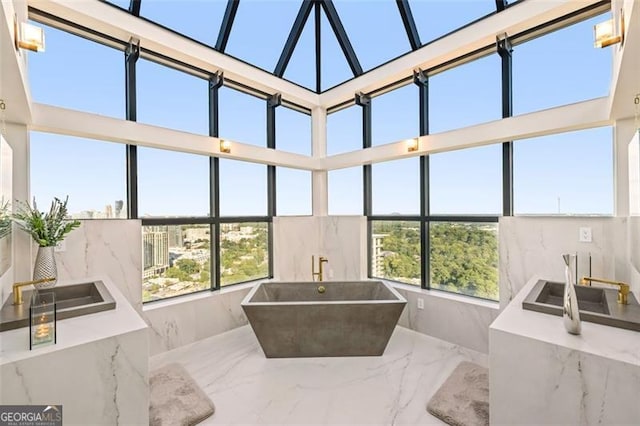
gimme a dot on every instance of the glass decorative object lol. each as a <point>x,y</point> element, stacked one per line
<point>42,319</point>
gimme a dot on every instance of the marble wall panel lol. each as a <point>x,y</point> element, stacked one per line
<point>534,246</point>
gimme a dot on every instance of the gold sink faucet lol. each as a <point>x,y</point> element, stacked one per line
<point>318,274</point>
<point>17,288</point>
<point>623,288</point>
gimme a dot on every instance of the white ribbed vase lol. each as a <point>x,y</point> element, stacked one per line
<point>45,267</point>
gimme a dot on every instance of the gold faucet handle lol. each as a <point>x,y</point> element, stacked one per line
<point>17,288</point>
<point>623,293</point>
<point>623,288</point>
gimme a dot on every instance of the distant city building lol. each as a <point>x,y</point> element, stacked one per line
<point>155,243</point>
<point>176,238</point>
<point>377,255</point>
<point>194,234</point>
<point>119,205</point>
<point>108,211</point>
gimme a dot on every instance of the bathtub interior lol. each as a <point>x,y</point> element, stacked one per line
<point>335,291</point>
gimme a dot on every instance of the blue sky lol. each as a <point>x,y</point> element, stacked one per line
<point>557,69</point>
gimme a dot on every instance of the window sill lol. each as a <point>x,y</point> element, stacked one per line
<point>460,298</point>
<point>187,298</point>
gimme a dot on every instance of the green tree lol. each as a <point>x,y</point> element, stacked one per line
<point>188,266</point>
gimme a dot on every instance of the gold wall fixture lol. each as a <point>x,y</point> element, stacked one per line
<point>225,146</point>
<point>28,36</point>
<point>412,145</point>
<point>605,32</point>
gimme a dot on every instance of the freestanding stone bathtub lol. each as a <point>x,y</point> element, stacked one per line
<point>299,319</point>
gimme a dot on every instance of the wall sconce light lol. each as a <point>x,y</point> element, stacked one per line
<point>412,145</point>
<point>28,36</point>
<point>225,146</point>
<point>605,32</point>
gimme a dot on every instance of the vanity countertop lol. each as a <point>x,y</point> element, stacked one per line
<point>600,340</point>
<point>14,344</point>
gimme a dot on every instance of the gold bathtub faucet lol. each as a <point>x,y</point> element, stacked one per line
<point>623,288</point>
<point>17,288</point>
<point>318,274</point>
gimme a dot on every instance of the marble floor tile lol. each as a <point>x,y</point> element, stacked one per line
<point>248,388</point>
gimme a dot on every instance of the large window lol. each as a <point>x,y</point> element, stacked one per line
<point>172,184</point>
<point>467,181</point>
<point>244,254</point>
<point>170,98</point>
<point>345,191</point>
<point>182,224</point>
<point>243,188</point>
<point>465,95</point>
<point>176,260</point>
<point>344,130</point>
<point>463,258</point>
<point>395,251</point>
<point>293,192</point>
<point>560,68</point>
<point>396,187</point>
<point>394,115</point>
<point>566,174</point>
<point>78,74</point>
<point>92,173</point>
<point>243,118</point>
<point>293,131</point>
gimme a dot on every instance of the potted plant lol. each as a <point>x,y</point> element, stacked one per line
<point>46,229</point>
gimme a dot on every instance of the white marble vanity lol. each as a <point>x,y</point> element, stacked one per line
<point>540,374</point>
<point>97,370</point>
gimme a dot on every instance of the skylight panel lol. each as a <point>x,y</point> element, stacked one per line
<point>334,67</point>
<point>124,4</point>
<point>199,20</point>
<point>375,30</point>
<point>435,18</point>
<point>302,65</point>
<point>260,31</point>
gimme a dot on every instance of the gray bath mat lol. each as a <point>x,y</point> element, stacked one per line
<point>176,399</point>
<point>463,399</point>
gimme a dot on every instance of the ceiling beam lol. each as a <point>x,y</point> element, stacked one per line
<point>121,25</point>
<point>227,23</point>
<point>579,116</point>
<point>52,119</point>
<point>294,36</point>
<point>409,23</point>
<point>341,35</point>
<point>515,19</point>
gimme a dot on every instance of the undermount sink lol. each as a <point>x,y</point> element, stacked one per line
<point>71,301</point>
<point>596,304</point>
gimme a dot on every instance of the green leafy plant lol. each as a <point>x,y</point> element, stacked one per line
<point>5,219</point>
<point>47,229</point>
